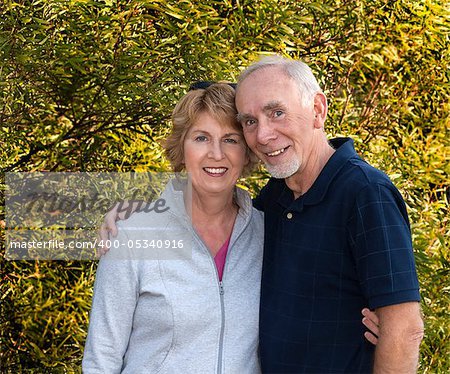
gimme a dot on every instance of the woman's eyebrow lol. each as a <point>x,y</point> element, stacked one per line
<point>232,134</point>
<point>200,132</point>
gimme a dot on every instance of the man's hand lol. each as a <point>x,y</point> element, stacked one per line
<point>370,320</point>
<point>400,334</point>
<point>122,210</point>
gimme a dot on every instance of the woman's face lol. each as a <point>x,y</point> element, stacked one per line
<point>214,155</point>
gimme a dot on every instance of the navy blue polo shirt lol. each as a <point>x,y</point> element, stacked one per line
<point>342,246</point>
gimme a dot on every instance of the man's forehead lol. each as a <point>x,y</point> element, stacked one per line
<point>259,98</point>
<point>264,84</point>
<point>266,74</point>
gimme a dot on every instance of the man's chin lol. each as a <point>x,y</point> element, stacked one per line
<point>283,171</point>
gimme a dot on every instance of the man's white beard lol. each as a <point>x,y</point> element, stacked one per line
<point>284,170</point>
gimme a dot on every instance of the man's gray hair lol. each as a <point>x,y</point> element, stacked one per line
<point>296,70</point>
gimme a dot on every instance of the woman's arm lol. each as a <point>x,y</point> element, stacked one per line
<point>111,317</point>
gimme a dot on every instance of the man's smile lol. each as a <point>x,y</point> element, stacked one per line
<point>277,152</point>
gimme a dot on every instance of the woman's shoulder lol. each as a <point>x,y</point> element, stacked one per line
<point>245,202</point>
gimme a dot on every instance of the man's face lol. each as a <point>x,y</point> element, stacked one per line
<point>277,127</point>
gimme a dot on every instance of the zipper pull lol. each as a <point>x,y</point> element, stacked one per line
<point>221,288</point>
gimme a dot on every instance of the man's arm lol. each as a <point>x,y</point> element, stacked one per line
<point>108,228</point>
<point>383,252</point>
<point>400,334</point>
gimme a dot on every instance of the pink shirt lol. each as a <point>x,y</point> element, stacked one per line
<point>220,258</point>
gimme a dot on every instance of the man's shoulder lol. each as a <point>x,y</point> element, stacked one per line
<point>274,184</point>
<point>360,173</point>
<point>272,188</point>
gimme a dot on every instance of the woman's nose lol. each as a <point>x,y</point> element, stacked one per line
<point>216,151</point>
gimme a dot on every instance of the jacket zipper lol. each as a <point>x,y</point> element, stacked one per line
<point>222,328</point>
<point>221,293</point>
<point>222,303</point>
<point>222,307</point>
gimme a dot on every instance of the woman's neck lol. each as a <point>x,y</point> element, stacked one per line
<point>213,219</point>
<point>210,208</point>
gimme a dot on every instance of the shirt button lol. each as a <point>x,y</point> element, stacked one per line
<point>289,215</point>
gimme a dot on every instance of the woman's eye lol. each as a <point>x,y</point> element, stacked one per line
<point>231,140</point>
<point>200,138</point>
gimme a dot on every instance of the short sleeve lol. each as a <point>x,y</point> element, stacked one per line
<point>381,243</point>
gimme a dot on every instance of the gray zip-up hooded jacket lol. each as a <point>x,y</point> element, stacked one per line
<point>158,305</point>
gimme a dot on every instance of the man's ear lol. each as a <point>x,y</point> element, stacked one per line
<point>320,109</point>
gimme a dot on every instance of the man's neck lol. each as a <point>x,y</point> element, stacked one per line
<point>302,180</point>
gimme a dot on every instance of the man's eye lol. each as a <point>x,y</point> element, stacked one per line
<point>200,138</point>
<point>278,113</point>
<point>250,122</point>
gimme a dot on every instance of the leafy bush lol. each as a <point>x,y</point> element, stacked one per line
<point>89,86</point>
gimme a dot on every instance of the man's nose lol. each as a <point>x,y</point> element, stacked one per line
<point>265,132</point>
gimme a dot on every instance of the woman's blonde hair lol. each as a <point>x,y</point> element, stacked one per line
<point>218,101</point>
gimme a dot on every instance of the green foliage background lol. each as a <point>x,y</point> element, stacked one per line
<point>89,86</point>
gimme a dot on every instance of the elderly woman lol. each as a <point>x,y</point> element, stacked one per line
<point>197,313</point>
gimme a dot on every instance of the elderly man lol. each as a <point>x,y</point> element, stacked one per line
<point>337,236</point>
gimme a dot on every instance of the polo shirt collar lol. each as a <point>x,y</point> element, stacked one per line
<point>344,151</point>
